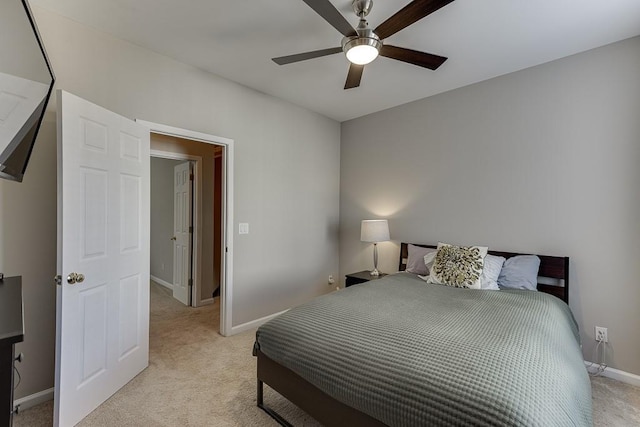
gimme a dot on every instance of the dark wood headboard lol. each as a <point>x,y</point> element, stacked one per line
<point>552,267</point>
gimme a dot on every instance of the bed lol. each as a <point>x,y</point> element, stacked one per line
<point>402,352</point>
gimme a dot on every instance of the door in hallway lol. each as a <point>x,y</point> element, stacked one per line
<point>182,232</point>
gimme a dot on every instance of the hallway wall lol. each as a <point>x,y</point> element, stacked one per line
<point>162,218</point>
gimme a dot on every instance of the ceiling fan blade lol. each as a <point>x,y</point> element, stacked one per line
<point>330,14</point>
<point>354,76</point>
<point>421,59</point>
<point>413,12</point>
<point>282,60</point>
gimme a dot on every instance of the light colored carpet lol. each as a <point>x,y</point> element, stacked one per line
<point>196,377</point>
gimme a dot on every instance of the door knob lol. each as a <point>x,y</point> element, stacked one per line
<point>73,278</point>
<point>173,238</point>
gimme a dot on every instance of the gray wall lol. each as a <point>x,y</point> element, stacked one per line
<point>19,49</point>
<point>28,249</point>
<point>286,179</point>
<point>161,259</point>
<point>544,160</point>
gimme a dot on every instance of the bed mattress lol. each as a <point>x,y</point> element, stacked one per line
<point>410,353</point>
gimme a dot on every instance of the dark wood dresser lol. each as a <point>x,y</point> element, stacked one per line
<point>11,332</point>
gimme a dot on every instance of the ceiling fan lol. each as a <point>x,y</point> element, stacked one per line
<point>362,45</point>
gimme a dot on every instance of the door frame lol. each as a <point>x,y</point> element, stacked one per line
<point>196,245</point>
<point>226,282</point>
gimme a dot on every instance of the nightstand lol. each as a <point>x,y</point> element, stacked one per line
<point>361,277</point>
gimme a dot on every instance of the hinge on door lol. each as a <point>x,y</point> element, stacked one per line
<point>190,282</point>
<point>190,229</point>
<point>191,177</point>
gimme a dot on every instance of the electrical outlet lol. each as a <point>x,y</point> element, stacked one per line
<point>601,334</point>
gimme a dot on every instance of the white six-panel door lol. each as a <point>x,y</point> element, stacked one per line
<point>102,321</point>
<point>182,231</point>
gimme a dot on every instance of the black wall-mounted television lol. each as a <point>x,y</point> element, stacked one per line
<point>26,82</point>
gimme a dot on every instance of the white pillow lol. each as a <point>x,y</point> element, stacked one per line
<point>429,259</point>
<point>459,266</point>
<point>491,271</point>
<point>428,262</point>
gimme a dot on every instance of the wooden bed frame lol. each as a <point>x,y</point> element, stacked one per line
<point>331,412</point>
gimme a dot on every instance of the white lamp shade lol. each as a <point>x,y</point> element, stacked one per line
<point>374,230</point>
<point>362,54</point>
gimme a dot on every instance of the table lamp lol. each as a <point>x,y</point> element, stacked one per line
<point>374,231</point>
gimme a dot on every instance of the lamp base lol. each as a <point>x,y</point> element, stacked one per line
<point>375,272</point>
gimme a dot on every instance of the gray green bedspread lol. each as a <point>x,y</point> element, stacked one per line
<point>413,354</point>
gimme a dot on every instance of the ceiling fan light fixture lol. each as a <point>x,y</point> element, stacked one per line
<point>362,45</point>
<point>362,54</point>
<point>362,49</point>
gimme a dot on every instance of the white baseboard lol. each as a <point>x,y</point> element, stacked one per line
<point>254,323</point>
<point>616,374</point>
<point>159,281</point>
<point>206,301</point>
<point>34,399</point>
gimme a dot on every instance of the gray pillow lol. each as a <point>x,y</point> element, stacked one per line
<point>415,262</point>
<point>520,272</point>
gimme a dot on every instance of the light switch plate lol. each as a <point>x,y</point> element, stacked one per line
<point>243,228</point>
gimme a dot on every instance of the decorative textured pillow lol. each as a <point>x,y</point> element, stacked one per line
<point>491,271</point>
<point>415,262</point>
<point>520,272</point>
<point>459,266</point>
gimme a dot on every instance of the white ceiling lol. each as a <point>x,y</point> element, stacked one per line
<point>236,39</point>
